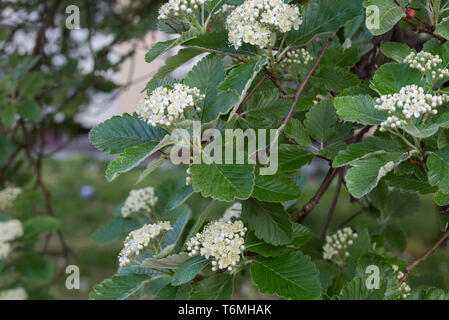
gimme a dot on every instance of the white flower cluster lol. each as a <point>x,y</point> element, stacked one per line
<point>166,105</point>
<point>337,245</point>
<point>9,231</point>
<point>404,288</point>
<point>411,101</point>
<point>391,122</point>
<point>221,240</point>
<point>298,56</point>
<point>141,238</point>
<point>425,61</point>
<point>13,294</point>
<point>139,199</point>
<point>254,21</point>
<point>8,196</point>
<point>233,211</point>
<point>179,8</point>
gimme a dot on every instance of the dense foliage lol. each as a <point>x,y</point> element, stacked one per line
<point>48,76</point>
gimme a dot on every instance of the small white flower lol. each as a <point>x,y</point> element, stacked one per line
<point>139,199</point>
<point>409,102</point>
<point>10,230</point>
<point>296,57</point>
<point>179,8</point>
<point>165,106</point>
<point>255,21</point>
<point>8,196</point>
<point>140,239</point>
<point>223,241</point>
<point>337,245</point>
<point>425,61</point>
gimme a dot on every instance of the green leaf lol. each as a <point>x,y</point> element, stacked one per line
<point>173,261</point>
<point>31,84</point>
<point>392,77</point>
<point>442,28</point>
<point>333,78</point>
<point>441,199</point>
<point>39,225</point>
<point>221,104</point>
<point>438,165</point>
<point>340,57</point>
<point>119,287</point>
<point>395,237</point>
<point>254,244</point>
<point>121,132</point>
<point>224,182</point>
<point>360,246</point>
<point>292,276</point>
<point>216,287</point>
<point>170,292</point>
<point>240,78</point>
<point>172,63</point>
<point>429,128</point>
<point>162,47</point>
<point>328,272</point>
<point>8,113</point>
<point>359,109</point>
<point>206,75</point>
<point>409,183</point>
<point>356,289</point>
<point>217,42</point>
<point>275,188</point>
<point>429,294</point>
<point>266,104</point>
<point>133,156</point>
<point>322,17</point>
<point>269,221</point>
<point>292,157</point>
<point>34,267</point>
<point>189,270</point>
<point>114,230</point>
<point>320,120</point>
<point>369,147</point>
<point>388,282</point>
<point>366,174</point>
<point>386,14</point>
<point>29,110</point>
<point>301,235</point>
<point>395,50</point>
<point>295,131</point>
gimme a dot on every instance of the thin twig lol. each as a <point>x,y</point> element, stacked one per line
<point>301,89</point>
<point>323,232</point>
<point>248,96</point>
<point>424,257</point>
<point>308,207</point>
<point>349,219</point>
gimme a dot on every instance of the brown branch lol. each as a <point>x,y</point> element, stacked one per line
<point>40,183</point>
<point>308,207</point>
<point>323,232</point>
<point>301,89</point>
<point>424,257</point>
<point>249,95</point>
<point>426,28</point>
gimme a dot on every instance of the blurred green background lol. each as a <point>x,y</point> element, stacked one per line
<point>81,217</point>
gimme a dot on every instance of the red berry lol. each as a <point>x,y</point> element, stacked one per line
<point>410,13</point>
